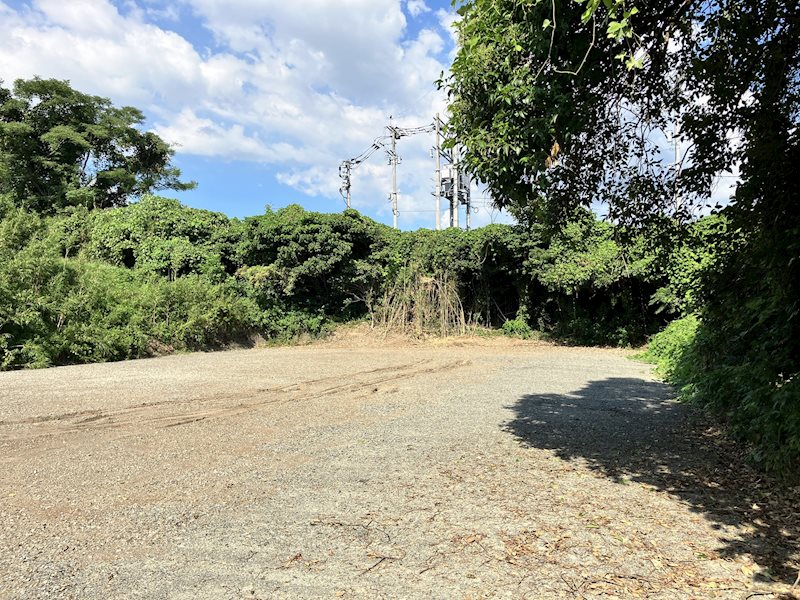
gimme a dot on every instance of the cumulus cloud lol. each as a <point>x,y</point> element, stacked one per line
<point>299,86</point>
<point>99,51</point>
<point>417,7</point>
<point>448,21</point>
<point>205,137</point>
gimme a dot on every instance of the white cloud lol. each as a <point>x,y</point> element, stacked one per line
<point>417,7</point>
<point>448,21</point>
<point>82,16</point>
<point>130,61</point>
<point>205,137</point>
<point>298,85</point>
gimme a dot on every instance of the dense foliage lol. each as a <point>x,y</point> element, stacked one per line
<point>79,284</point>
<point>58,304</point>
<point>156,276</point>
<point>60,147</point>
<point>555,112</point>
<point>563,103</point>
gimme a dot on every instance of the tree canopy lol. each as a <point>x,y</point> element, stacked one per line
<point>563,103</point>
<point>566,102</point>
<point>60,147</point>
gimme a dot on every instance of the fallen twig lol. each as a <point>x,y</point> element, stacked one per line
<point>368,527</point>
<point>380,560</point>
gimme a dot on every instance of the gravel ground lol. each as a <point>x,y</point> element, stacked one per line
<point>453,470</point>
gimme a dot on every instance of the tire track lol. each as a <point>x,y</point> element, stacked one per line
<point>168,413</point>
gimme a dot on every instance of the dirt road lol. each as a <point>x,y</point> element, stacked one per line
<point>486,470</point>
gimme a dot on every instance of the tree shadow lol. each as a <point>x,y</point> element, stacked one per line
<point>634,429</point>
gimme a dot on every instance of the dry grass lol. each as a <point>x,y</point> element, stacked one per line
<point>421,306</point>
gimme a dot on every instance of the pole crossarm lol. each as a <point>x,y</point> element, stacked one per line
<point>389,144</point>
<point>347,166</point>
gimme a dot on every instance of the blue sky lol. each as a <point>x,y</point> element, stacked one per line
<point>261,98</point>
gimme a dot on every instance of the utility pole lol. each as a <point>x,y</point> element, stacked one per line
<point>438,151</point>
<point>393,160</point>
<point>456,188</point>
<point>347,200</point>
<point>468,203</point>
<point>347,166</point>
<point>344,173</point>
<point>677,143</point>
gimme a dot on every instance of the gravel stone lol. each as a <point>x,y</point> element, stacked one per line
<point>466,469</point>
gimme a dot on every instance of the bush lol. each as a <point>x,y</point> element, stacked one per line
<point>76,311</point>
<point>87,286</point>
<point>517,328</point>
<point>284,325</point>
<point>759,406</point>
<point>671,350</point>
<point>421,305</point>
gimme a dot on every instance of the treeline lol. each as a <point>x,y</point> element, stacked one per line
<point>550,120</point>
<point>97,285</point>
<point>85,277</point>
<point>736,350</point>
<point>155,277</point>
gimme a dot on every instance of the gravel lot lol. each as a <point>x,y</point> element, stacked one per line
<point>467,469</point>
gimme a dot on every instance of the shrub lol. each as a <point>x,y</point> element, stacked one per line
<point>759,406</point>
<point>517,328</point>
<point>671,350</point>
<point>284,325</point>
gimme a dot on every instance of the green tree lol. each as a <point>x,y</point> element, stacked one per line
<point>319,262</point>
<point>60,147</point>
<point>563,103</point>
<point>160,236</point>
<point>553,114</point>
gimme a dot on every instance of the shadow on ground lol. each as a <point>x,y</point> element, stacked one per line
<point>631,428</point>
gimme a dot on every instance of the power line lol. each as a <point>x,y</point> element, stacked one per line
<point>395,133</point>
<point>455,186</point>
